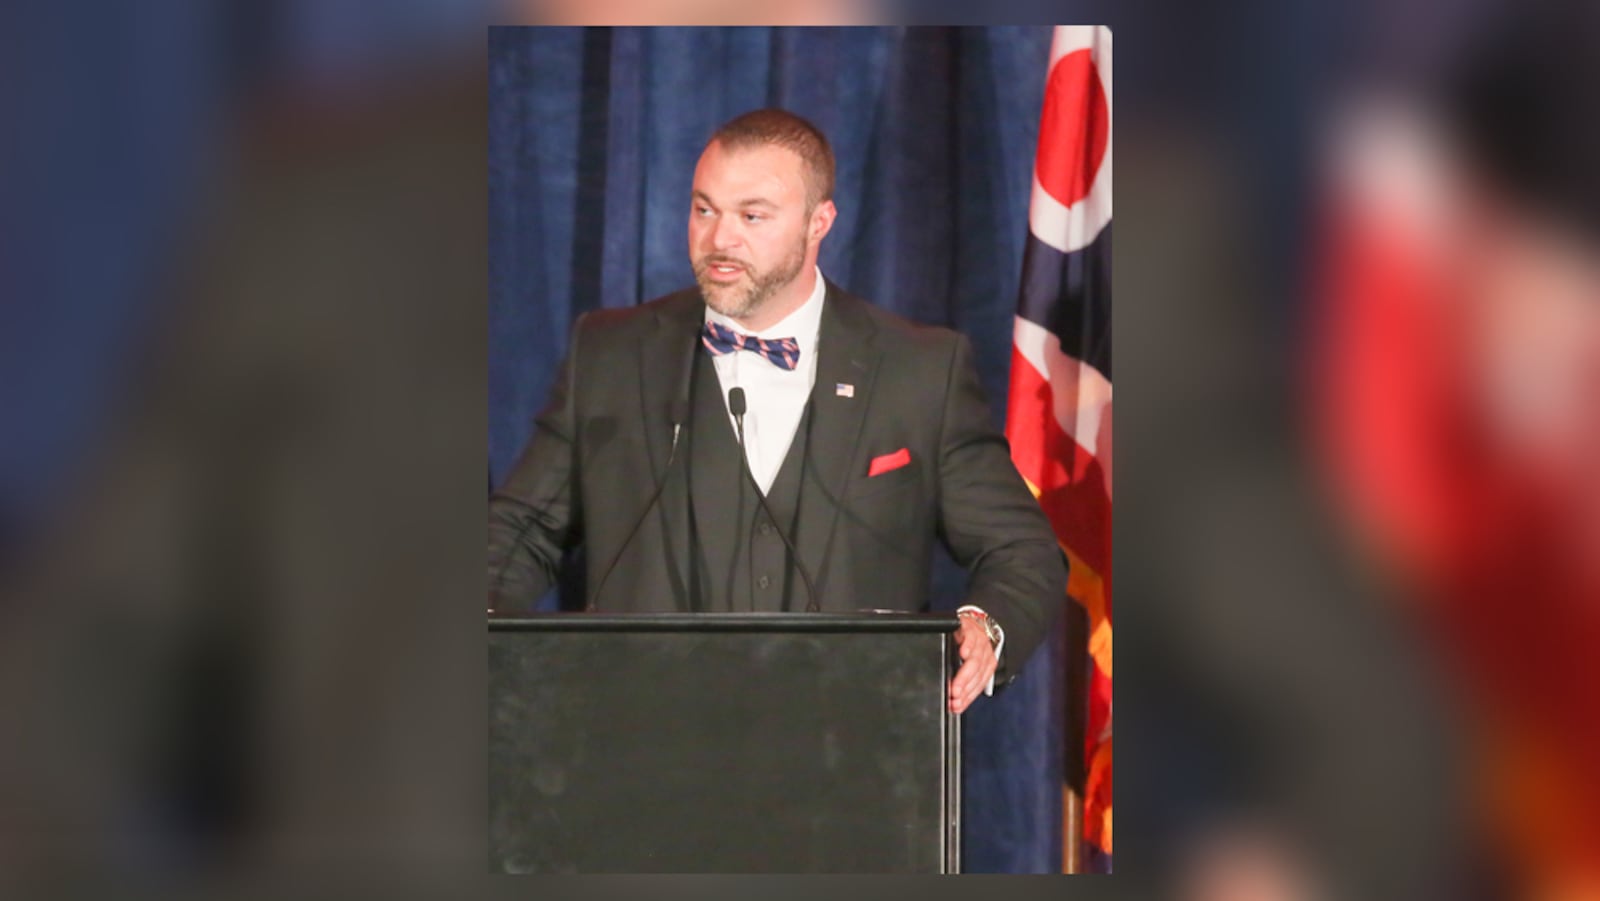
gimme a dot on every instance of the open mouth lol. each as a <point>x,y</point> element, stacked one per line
<point>724,271</point>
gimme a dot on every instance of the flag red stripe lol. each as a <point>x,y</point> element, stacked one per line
<point>1099,706</point>
<point>1070,481</point>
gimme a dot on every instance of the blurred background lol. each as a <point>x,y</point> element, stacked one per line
<point>245,292</point>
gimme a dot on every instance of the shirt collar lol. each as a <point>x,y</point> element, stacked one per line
<point>802,325</point>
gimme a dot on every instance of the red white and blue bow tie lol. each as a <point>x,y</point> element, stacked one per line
<point>784,353</point>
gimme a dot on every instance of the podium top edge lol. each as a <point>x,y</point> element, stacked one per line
<point>727,622</point>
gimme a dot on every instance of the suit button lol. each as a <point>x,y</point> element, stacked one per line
<point>763,582</point>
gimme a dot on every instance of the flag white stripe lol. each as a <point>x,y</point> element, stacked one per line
<point>1080,394</point>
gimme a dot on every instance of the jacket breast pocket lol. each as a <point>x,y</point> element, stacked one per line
<point>903,478</point>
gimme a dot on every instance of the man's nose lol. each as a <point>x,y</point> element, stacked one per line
<point>725,234</point>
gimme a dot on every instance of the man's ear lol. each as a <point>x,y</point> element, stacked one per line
<point>821,220</point>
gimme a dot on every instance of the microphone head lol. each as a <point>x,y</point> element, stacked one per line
<point>736,402</point>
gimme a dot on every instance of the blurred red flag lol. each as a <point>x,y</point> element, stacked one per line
<point>1454,383</point>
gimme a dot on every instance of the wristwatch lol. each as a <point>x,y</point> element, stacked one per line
<point>990,627</point>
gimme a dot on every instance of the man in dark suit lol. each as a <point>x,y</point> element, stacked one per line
<point>865,435</point>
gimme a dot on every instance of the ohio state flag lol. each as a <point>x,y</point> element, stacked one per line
<point>1059,415</point>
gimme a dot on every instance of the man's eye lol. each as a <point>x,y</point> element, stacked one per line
<point>753,217</point>
<point>702,211</point>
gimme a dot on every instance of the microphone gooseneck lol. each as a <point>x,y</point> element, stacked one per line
<point>679,416</point>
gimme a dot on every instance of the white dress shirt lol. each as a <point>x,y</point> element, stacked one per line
<point>775,397</point>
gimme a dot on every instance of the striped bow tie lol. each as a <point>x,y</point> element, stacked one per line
<point>784,353</point>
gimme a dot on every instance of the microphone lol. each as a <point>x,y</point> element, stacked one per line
<point>736,406</point>
<point>679,415</point>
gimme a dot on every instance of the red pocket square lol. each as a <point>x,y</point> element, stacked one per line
<point>889,462</point>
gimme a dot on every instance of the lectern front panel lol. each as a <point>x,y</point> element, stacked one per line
<point>722,744</point>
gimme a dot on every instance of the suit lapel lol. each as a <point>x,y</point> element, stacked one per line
<point>666,363</point>
<point>847,355</point>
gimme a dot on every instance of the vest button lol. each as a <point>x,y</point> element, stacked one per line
<point>763,582</point>
<point>764,528</point>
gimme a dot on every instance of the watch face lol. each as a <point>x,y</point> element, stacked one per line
<point>990,627</point>
<point>986,621</point>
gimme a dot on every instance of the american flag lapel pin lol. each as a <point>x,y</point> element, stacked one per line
<point>842,390</point>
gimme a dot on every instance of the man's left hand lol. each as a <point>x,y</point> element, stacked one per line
<point>977,666</point>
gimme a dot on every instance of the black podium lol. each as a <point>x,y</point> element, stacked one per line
<point>723,743</point>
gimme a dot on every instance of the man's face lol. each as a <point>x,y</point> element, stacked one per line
<point>750,234</point>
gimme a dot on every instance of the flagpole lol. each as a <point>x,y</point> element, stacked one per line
<point>1072,834</point>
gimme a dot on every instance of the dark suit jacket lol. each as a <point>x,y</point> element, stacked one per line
<point>604,440</point>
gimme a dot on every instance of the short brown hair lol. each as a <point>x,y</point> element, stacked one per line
<point>764,127</point>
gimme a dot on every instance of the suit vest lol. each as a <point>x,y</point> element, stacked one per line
<point>739,563</point>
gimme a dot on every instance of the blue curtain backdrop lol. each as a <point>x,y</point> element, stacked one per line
<point>593,137</point>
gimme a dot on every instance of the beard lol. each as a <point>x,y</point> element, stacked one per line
<point>740,300</point>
